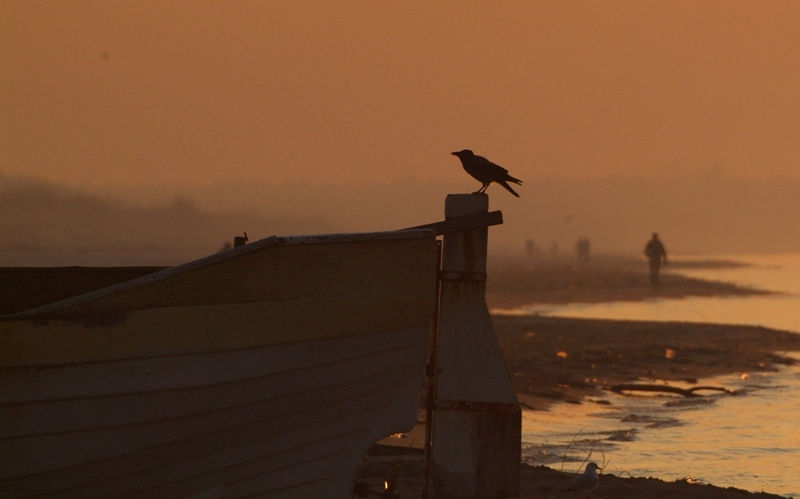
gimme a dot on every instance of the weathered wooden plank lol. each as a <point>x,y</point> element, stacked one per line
<point>75,414</point>
<point>271,452</point>
<point>477,426</point>
<point>185,330</point>
<point>296,268</point>
<point>100,379</point>
<point>464,222</point>
<point>268,369</point>
<point>211,437</point>
<point>470,361</point>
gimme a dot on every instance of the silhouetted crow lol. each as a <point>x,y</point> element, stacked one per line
<point>485,172</point>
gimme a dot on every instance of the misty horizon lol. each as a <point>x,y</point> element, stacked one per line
<point>706,215</point>
<point>620,119</point>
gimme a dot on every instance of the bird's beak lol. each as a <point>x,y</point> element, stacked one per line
<point>454,153</point>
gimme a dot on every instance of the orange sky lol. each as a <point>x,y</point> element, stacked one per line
<point>132,92</point>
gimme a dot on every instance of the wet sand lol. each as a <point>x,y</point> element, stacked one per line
<point>513,283</point>
<point>566,359</point>
<point>540,482</point>
<point>558,360</point>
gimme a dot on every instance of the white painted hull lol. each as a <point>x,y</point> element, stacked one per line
<point>265,371</point>
<point>280,421</point>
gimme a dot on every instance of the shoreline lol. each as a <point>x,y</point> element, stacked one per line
<point>516,283</point>
<point>539,482</point>
<point>555,360</point>
<point>629,351</point>
<point>567,359</point>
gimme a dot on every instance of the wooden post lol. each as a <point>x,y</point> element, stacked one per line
<point>477,421</point>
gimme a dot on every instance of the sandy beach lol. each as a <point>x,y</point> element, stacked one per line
<point>562,360</point>
<point>515,282</point>
<point>552,359</point>
<point>566,359</point>
<point>541,482</point>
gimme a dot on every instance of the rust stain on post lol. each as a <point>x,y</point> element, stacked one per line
<point>477,420</point>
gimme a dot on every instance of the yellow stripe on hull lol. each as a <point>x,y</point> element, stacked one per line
<point>277,294</point>
<point>181,330</point>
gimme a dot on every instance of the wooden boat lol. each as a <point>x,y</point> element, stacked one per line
<point>264,371</point>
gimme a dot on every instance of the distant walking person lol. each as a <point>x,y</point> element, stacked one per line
<point>485,172</point>
<point>582,248</point>
<point>655,253</point>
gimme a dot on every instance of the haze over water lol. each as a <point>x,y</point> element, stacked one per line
<point>620,117</point>
<point>780,273</point>
<point>749,441</point>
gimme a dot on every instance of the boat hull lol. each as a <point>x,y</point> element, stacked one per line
<point>158,389</point>
<point>255,421</point>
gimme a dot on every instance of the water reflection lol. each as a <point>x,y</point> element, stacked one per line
<point>778,312</point>
<point>780,273</point>
<point>747,441</point>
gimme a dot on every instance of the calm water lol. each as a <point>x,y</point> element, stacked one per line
<point>751,441</point>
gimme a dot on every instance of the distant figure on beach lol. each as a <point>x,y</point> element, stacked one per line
<point>582,248</point>
<point>485,172</point>
<point>656,254</point>
<point>532,250</point>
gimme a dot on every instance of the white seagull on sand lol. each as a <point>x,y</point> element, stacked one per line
<point>587,480</point>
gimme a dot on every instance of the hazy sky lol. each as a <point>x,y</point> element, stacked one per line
<point>167,92</point>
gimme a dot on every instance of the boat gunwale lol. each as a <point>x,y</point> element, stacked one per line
<point>239,251</point>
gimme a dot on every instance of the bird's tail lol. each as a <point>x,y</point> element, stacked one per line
<point>508,187</point>
<point>515,180</point>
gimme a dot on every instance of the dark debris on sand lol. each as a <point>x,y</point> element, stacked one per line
<point>574,359</point>
<point>568,359</point>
